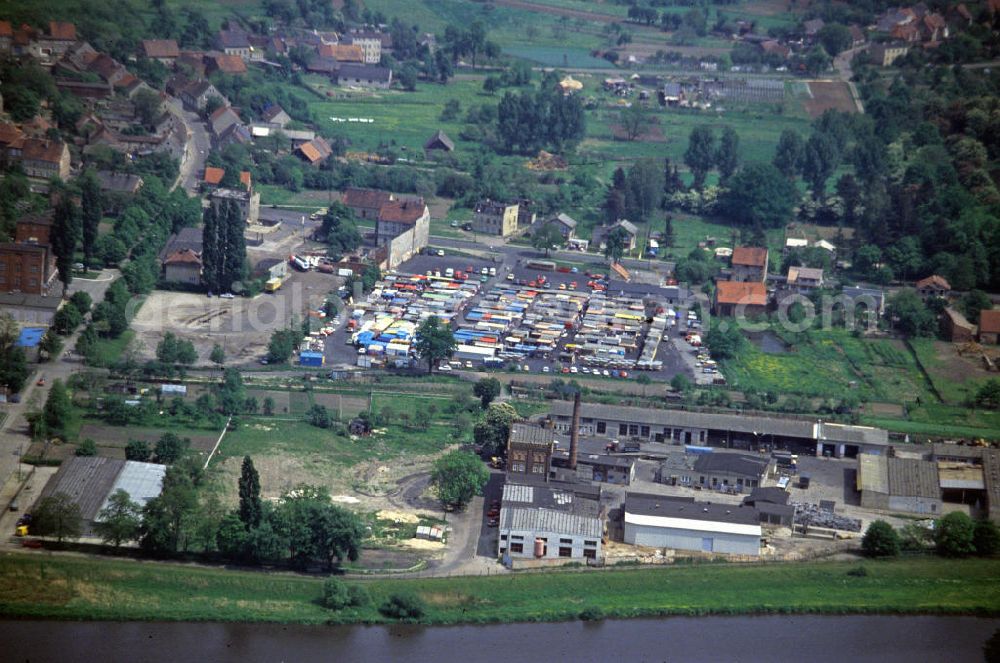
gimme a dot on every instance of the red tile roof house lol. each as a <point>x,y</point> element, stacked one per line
<point>366,203</point>
<point>735,298</point>
<point>398,216</point>
<point>933,286</point>
<point>213,176</point>
<point>183,266</point>
<point>989,326</point>
<point>314,152</point>
<point>164,50</point>
<point>749,264</point>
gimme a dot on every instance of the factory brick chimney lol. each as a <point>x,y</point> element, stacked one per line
<point>574,433</point>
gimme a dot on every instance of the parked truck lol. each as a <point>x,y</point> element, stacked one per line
<point>272,285</point>
<point>628,446</point>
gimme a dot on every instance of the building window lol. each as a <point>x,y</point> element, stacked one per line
<point>538,469</point>
<point>602,427</point>
<point>590,543</point>
<point>633,429</point>
<point>517,547</point>
<point>566,541</point>
<point>645,431</point>
<point>517,537</point>
<point>590,553</point>
<point>503,537</point>
<point>565,551</point>
<point>623,429</point>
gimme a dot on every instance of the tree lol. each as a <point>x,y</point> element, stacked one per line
<point>166,518</point>
<point>880,540</point>
<point>335,594</point>
<point>835,38</point>
<point>975,302</point>
<point>546,237</point>
<point>51,344</point>
<point>66,320</point>
<point>643,189</point>
<point>405,607</point>
<point>614,244</point>
<point>700,154</point>
<point>281,346</point>
<point>211,255</point>
<point>268,406</point>
<point>434,343</point>
<point>87,448</point>
<point>64,236</point>
<point>218,355</point>
<point>81,301</point>
<point>492,431</point>
<point>910,315</point>
<point>986,538</point>
<point>232,394</point>
<point>759,196</point>
<point>727,157</point>
<point>790,153</point>
<point>120,520</point>
<point>319,416</point>
<point>680,382</point>
<point>170,448</point>
<point>59,516</point>
<point>58,409</point>
<point>147,107</point>
<point>820,158</point>
<point>137,450</point>
<point>250,504</point>
<point>634,120</point>
<point>91,211</point>
<point>318,530</point>
<point>954,535</point>
<point>988,394</point>
<point>487,389</point>
<point>724,344</point>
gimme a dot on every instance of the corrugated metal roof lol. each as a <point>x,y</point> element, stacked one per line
<point>873,473</point>
<point>142,481</point>
<point>521,433</point>
<point>550,520</point>
<point>517,493</point>
<point>909,477</point>
<point>87,480</point>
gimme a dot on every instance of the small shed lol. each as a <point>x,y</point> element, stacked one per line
<point>439,142</point>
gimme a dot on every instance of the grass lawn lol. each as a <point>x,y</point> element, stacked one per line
<point>32,586</point>
<point>108,351</point>
<point>955,378</point>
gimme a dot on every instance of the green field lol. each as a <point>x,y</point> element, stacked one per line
<point>32,586</point>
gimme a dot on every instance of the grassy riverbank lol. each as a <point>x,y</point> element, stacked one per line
<point>79,588</point>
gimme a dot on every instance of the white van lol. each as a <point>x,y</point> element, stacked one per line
<point>450,272</point>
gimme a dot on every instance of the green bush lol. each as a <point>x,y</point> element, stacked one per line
<point>403,607</point>
<point>87,448</point>
<point>858,572</point>
<point>335,594</point>
<point>986,538</point>
<point>591,614</point>
<point>953,535</point>
<point>880,540</point>
<point>357,596</point>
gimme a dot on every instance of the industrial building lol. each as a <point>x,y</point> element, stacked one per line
<point>550,521</point>
<point>659,521</point>
<point>771,505</point>
<point>601,468</point>
<point>735,431</point>
<point>90,481</point>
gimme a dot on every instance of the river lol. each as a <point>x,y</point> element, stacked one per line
<point>815,639</point>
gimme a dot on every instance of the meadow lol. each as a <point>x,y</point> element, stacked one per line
<point>59,587</point>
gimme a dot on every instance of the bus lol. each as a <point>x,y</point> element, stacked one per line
<point>543,265</point>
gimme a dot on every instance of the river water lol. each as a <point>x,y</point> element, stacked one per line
<point>811,639</point>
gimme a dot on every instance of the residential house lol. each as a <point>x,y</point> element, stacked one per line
<point>601,233</point>
<point>232,65</point>
<point>275,115</point>
<point>271,268</point>
<point>183,266</point>
<point>6,36</point>
<point>370,45</point>
<point>495,218</point>
<point>184,239</point>
<point>933,286</point>
<point>885,54</point>
<point>48,48</point>
<point>749,264</point>
<point>804,280</point>
<point>119,183</point>
<point>732,298</point>
<point>565,224</point>
<point>245,199</point>
<point>236,133</point>
<point>164,51</point>
<point>314,152</point>
<point>858,36</point>
<point>212,178</point>
<point>989,326</point>
<point>221,119</point>
<point>398,216</point>
<point>812,27</point>
<point>196,95</point>
<point>774,47</point>
<point>661,521</point>
<point>44,159</point>
<point>236,42</point>
<point>108,69</point>
<point>956,328</point>
<point>366,203</point>
<point>439,142</point>
<point>86,89</point>
<point>364,75</point>
<point>525,216</point>
<point>27,264</point>
<point>549,522</point>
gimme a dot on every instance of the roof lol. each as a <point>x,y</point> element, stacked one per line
<point>198,88</point>
<point>748,293</point>
<point>669,512</point>
<point>957,319</point>
<point>402,211</point>
<point>142,481</point>
<point>315,150</point>
<point>366,197</point>
<point>531,434</point>
<point>935,282</point>
<point>565,220</point>
<point>807,273</point>
<point>770,495</point>
<point>160,48</point>
<point>233,39</point>
<point>213,175</point>
<point>365,72</point>
<point>629,227</point>
<point>186,238</point>
<point>245,178</point>
<point>795,242</point>
<point>548,508</point>
<point>912,477</point>
<point>951,450</point>
<point>989,321</point>
<point>37,149</point>
<point>30,337</point>
<point>6,30</point>
<point>62,30</point>
<point>183,257</point>
<point>750,466</point>
<point>229,64</point>
<point>272,111</point>
<point>750,256</point>
<point>823,244</point>
<point>118,182</point>
<point>24,300</point>
<point>341,52</point>
<point>796,428</point>
<point>438,141</point>
<point>87,480</point>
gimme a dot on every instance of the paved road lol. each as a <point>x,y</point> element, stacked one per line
<point>196,150</point>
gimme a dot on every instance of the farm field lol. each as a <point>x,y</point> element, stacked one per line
<point>829,95</point>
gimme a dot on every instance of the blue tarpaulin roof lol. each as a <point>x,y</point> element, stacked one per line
<point>30,337</point>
